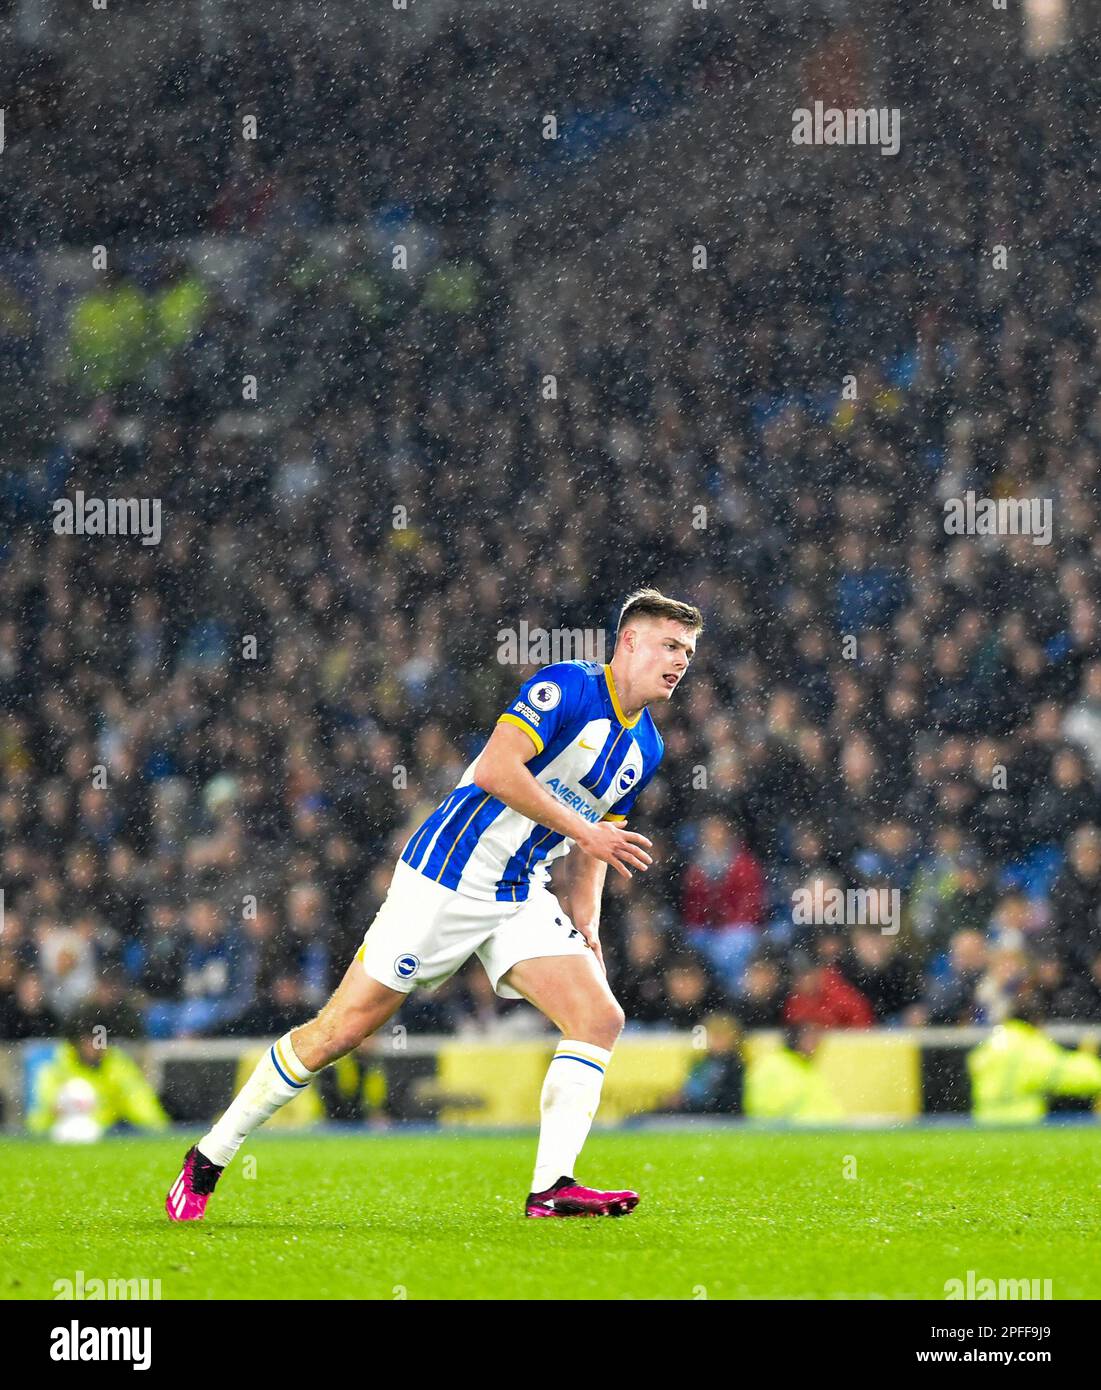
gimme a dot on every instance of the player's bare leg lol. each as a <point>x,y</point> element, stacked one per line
<point>573,992</point>
<point>358,1007</point>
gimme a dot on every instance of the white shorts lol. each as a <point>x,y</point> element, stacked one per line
<point>424,932</point>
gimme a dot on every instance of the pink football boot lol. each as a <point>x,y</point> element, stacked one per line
<point>568,1198</point>
<point>189,1194</point>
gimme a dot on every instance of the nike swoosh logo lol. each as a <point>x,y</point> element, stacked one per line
<point>591,747</point>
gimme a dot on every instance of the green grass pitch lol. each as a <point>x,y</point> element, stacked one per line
<point>725,1214</point>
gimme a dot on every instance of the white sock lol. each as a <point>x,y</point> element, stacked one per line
<point>570,1096</point>
<point>279,1077</point>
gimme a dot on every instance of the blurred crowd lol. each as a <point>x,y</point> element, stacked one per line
<point>212,749</point>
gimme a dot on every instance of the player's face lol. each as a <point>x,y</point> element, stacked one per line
<point>663,650</point>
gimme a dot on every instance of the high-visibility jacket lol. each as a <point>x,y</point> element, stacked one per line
<point>121,1090</point>
<point>108,337</point>
<point>1016,1070</point>
<point>782,1085</point>
<point>177,312</point>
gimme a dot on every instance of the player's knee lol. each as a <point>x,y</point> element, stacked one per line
<point>604,1023</point>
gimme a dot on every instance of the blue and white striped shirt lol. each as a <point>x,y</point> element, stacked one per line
<point>588,755</point>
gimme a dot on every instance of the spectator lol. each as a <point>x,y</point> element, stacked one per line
<point>1061,996</point>
<point>122,1097</point>
<point>218,977</point>
<point>68,961</point>
<point>1059,807</point>
<point>1018,1069</point>
<point>305,944</point>
<point>785,1084</point>
<point>640,977</point>
<point>969,907</point>
<point>280,1006</point>
<point>1075,896</point>
<point>876,967</point>
<point>690,992</point>
<point>761,1001</point>
<point>108,334</point>
<point>113,1009</point>
<point>26,1013</point>
<point>953,999</point>
<point>820,995</point>
<point>722,905</point>
<point>715,1080</point>
<point>1082,722</point>
<point>162,947</point>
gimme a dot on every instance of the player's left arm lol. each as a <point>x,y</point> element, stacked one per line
<point>584,890</point>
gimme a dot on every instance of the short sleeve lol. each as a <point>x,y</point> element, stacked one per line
<point>546,702</point>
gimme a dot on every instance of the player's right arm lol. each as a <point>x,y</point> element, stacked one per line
<point>501,772</point>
